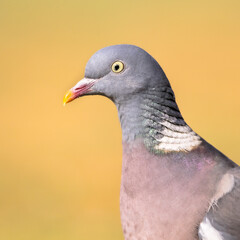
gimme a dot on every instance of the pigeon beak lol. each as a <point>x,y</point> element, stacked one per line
<point>81,88</point>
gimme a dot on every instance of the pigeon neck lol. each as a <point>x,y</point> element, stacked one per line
<point>154,116</point>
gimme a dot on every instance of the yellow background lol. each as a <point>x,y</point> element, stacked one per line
<point>60,167</point>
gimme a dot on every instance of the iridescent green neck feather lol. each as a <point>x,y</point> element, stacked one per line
<point>153,115</point>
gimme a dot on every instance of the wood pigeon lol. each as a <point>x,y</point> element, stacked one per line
<point>175,185</point>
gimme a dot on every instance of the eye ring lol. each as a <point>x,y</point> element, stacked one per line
<point>117,67</point>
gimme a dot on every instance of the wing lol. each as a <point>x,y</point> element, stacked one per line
<point>222,222</point>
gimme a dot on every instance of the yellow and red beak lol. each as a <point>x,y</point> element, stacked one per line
<point>83,87</point>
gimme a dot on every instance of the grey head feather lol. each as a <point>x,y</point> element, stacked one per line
<point>141,71</point>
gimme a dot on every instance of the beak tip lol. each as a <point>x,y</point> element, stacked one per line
<point>68,97</point>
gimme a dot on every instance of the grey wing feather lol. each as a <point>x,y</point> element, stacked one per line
<point>223,218</point>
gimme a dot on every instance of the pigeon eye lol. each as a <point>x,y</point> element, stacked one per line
<point>117,67</point>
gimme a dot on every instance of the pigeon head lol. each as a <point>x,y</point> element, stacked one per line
<point>118,72</point>
<point>136,83</point>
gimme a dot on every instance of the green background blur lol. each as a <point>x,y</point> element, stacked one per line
<point>60,167</point>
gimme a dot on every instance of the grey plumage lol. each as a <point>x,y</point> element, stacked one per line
<point>174,184</point>
<point>225,215</point>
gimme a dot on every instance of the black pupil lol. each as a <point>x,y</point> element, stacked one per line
<point>116,67</point>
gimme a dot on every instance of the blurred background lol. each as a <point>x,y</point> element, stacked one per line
<point>60,167</point>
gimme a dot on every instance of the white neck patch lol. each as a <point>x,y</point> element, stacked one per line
<point>177,138</point>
